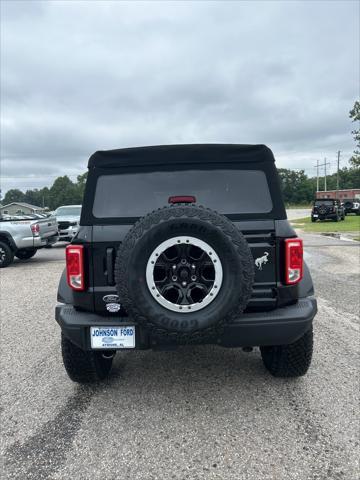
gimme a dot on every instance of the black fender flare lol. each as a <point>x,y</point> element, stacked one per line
<point>65,294</point>
<point>306,286</point>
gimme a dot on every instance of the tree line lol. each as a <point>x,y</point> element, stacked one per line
<point>63,192</point>
<point>297,188</point>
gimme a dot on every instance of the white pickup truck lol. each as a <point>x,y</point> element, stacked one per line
<point>22,236</point>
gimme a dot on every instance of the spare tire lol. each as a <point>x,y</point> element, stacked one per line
<point>323,209</point>
<point>184,271</point>
<point>348,204</point>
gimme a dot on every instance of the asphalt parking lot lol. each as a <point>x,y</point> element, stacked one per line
<point>196,413</point>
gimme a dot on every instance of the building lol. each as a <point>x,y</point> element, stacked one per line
<point>349,193</point>
<point>20,208</point>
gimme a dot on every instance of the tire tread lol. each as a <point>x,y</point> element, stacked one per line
<point>82,366</point>
<point>9,254</point>
<point>289,360</point>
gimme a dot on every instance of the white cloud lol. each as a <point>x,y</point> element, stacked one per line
<point>82,76</point>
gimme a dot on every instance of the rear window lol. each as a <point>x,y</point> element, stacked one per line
<point>227,191</point>
<point>324,202</point>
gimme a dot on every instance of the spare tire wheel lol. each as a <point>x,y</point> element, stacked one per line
<point>184,271</point>
<point>323,210</point>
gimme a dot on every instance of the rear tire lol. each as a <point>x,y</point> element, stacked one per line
<point>25,254</point>
<point>289,360</point>
<point>313,219</point>
<point>82,366</point>
<point>6,255</point>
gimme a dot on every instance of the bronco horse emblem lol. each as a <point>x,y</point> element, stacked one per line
<point>259,262</point>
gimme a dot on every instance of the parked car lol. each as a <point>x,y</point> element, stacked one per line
<point>22,236</point>
<point>183,245</point>
<point>327,209</point>
<point>68,218</point>
<point>352,206</point>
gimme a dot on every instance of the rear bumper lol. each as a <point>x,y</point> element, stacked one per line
<point>276,327</point>
<point>40,242</point>
<point>325,217</point>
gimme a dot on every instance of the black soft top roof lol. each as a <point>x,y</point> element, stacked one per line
<point>180,154</point>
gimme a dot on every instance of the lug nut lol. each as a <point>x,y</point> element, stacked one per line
<point>193,266</point>
<point>183,284</point>
<point>183,261</point>
<point>174,267</point>
<point>193,278</point>
<point>174,278</point>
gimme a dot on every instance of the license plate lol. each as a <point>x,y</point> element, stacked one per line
<point>112,337</point>
<point>315,215</point>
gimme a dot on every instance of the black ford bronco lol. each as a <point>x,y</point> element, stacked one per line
<point>352,206</point>
<point>184,244</point>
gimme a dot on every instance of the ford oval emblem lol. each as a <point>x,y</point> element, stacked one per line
<point>111,298</point>
<point>108,340</point>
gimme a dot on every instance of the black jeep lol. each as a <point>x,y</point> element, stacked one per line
<point>182,245</point>
<point>327,209</point>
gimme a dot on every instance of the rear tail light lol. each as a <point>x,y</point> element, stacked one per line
<point>75,267</point>
<point>35,228</point>
<point>293,260</point>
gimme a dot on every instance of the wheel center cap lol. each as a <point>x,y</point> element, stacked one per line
<point>184,274</point>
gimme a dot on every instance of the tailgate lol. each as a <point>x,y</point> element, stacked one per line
<point>48,227</point>
<point>259,235</point>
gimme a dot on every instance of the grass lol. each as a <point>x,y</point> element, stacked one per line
<point>350,224</point>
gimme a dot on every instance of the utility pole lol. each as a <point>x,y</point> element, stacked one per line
<point>325,187</point>
<point>325,164</point>
<point>317,175</point>
<point>318,165</point>
<point>337,174</point>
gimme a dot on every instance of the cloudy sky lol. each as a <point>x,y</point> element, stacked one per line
<point>81,76</point>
